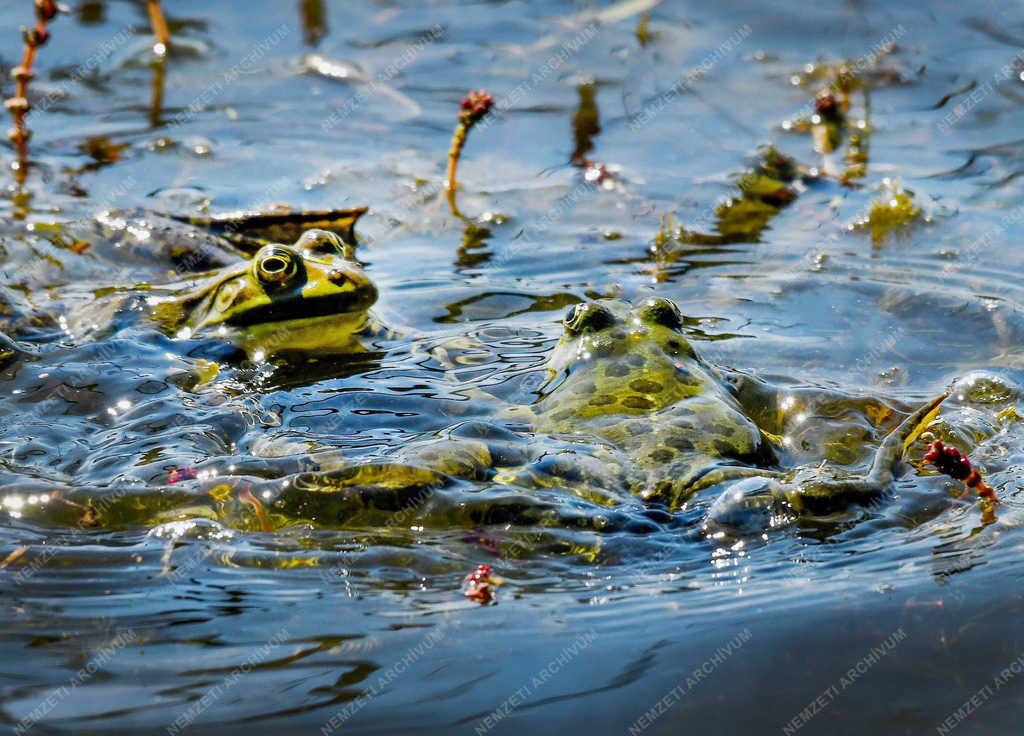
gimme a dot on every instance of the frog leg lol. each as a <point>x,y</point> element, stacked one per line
<point>770,406</point>
<point>455,457</point>
<point>678,491</point>
<point>757,504</point>
<point>727,473</point>
<point>357,494</point>
<point>812,492</point>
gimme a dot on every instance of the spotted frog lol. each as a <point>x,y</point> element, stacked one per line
<point>630,409</point>
<point>627,377</point>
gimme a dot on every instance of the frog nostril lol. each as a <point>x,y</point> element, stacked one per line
<point>336,277</point>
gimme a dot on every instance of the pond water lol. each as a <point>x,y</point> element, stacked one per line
<point>616,618</point>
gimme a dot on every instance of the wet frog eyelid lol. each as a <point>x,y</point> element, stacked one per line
<point>664,312</point>
<point>569,320</point>
<point>321,241</point>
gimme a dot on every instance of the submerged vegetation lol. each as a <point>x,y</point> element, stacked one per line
<point>892,212</point>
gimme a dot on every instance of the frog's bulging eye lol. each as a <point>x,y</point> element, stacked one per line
<point>321,241</point>
<point>276,265</point>
<point>662,312</point>
<point>589,316</point>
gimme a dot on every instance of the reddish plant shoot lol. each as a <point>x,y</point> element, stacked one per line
<point>473,109</point>
<point>46,10</point>
<point>480,585</point>
<point>950,461</point>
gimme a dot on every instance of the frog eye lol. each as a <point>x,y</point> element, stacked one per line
<point>589,316</point>
<point>276,265</point>
<point>662,312</point>
<point>321,241</point>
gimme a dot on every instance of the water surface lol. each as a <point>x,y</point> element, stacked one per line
<point>363,628</point>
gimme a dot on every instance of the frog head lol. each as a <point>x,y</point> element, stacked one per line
<point>303,290</point>
<point>617,358</point>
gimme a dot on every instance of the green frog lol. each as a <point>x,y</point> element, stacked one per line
<point>630,410</point>
<point>628,377</point>
<point>310,295</point>
<point>305,296</point>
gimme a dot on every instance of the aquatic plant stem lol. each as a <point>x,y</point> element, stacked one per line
<point>245,496</point>
<point>160,30</point>
<point>35,37</point>
<point>454,152</point>
<point>473,109</point>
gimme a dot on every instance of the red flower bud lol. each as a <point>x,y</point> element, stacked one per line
<point>46,9</point>
<point>948,461</point>
<point>475,106</point>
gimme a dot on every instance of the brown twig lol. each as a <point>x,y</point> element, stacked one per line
<point>474,108</point>
<point>18,104</point>
<point>160,30</point>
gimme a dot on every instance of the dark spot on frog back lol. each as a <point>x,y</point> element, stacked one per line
<point>678,442</point>
<point>645,386</point>
<point>662,455</point>
<point>618,369</point>
<point>637,402</point>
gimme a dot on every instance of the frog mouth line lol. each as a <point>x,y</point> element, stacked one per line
<point>341,305</point>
